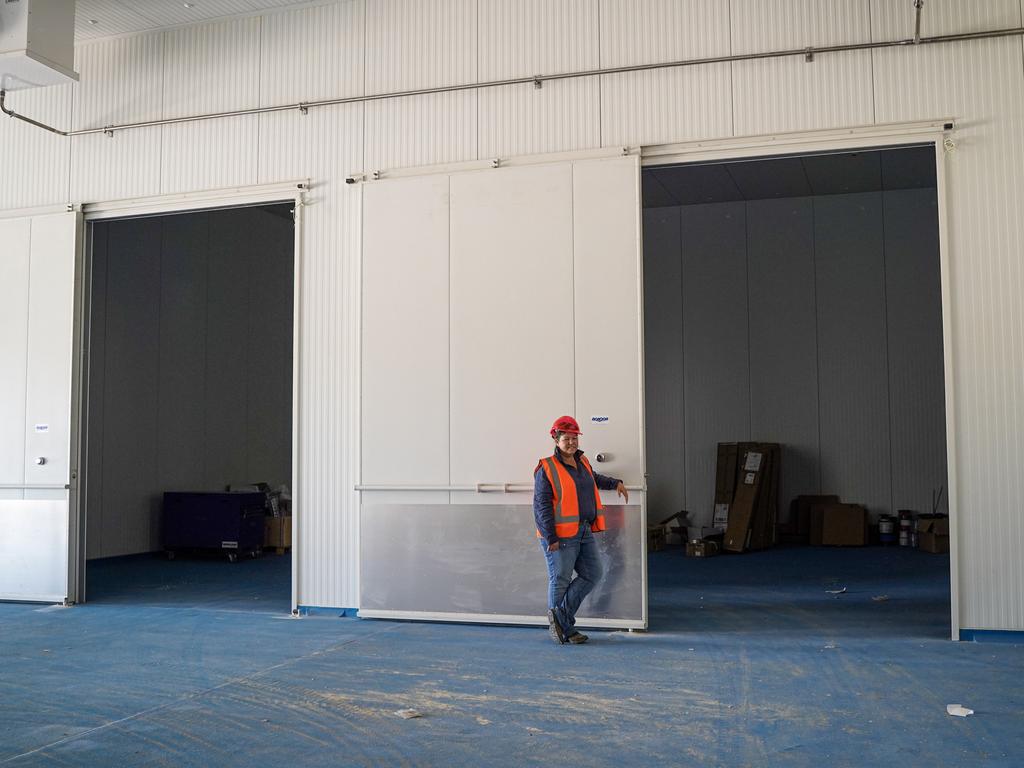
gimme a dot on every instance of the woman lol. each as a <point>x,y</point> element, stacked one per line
<point>567,509</point>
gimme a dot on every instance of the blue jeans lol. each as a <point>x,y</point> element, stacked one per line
<point>578,553</point>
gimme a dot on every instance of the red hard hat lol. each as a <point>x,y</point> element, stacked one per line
<point>565,424</point>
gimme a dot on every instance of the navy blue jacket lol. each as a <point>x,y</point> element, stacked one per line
<point>543,496</point>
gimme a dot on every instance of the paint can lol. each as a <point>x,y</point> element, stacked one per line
<point>906,527</point>
<point>887,530</point>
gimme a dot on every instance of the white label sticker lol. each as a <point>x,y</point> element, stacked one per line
<point>599,419</point>
<point>749,479</point>
<point>753,462</point>
<point>721,519</point>
<point>42,427</point>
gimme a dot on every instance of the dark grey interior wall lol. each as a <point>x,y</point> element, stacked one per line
<point>813,322</point>
<point>716,355</point>
<point>852,355</point>
<point>190,364</point>
<point>783,337</point>
<point>663,393</point>
<point>912,288</point>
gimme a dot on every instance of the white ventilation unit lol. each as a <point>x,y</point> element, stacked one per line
<point>37,43</point>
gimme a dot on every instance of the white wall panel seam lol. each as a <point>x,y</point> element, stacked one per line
<point>260,53</point>
<point>366,79</point>
<point>354,545</point>
<point>451,314</point>
<point>874,99</point>
<point>163,108</point>
<point>28,336</point>
<point>572,282</point>
<point>476,79</point>
<point>732,77</point>
<point>70,147</point>
<point>600,81</point>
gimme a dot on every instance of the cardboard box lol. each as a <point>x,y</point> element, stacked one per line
<point>721,516</point>
<point>933,533</point>
<point>737,535</point>
<point>766,509</point>
<point>277,532</point>
<point>800,512</point>
<point>748,515</point>
<point>937,524</point>
<point>932,542</point>
<point>843,525</point>
<point>701,549</point>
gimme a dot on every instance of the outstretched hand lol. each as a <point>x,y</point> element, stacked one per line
<point>621,490</point>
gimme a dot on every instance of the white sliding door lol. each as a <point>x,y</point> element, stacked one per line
<point>37,317</point>
<point>493,302</point>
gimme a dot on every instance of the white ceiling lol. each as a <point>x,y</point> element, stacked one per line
<point>104,18</point>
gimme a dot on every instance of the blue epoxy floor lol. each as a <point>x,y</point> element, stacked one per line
<point>750,661</point>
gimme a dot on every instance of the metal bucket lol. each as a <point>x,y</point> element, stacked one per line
<point>906,527</point>
<point>886,530</point>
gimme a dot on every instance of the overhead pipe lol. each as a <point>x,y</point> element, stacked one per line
<point>537,80</point>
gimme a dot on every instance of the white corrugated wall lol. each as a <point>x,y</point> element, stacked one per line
<point>365,46</point>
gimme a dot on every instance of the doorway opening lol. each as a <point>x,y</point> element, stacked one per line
<point>797,301</point>
<point>187,408</point>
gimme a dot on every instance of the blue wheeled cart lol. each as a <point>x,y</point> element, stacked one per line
<point>231,523</point>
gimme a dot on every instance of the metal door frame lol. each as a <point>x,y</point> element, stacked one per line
<point>234,197</point>
<point>936,132</point>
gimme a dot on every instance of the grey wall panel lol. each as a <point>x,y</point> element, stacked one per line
<point>269,340</point>
<point>854,381</point>
<point>867,313</point>
<point>128,509</point>
<point>227,352</point>
<point>783,338</point>
<point>715,343</point>
<point>183,309</point>
<point>916,383</point>
<point>663,361</point>
<point>97,365</point>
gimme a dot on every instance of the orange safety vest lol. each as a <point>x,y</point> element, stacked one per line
<point>565,503</point>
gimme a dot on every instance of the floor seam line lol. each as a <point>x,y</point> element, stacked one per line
<point>196,694</point>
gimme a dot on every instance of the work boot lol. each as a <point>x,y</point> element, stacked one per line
<point>555,629</point>
<point>577,638</point>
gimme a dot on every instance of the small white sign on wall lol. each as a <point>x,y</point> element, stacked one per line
<point>599,420</point>
<point>42,427</point>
